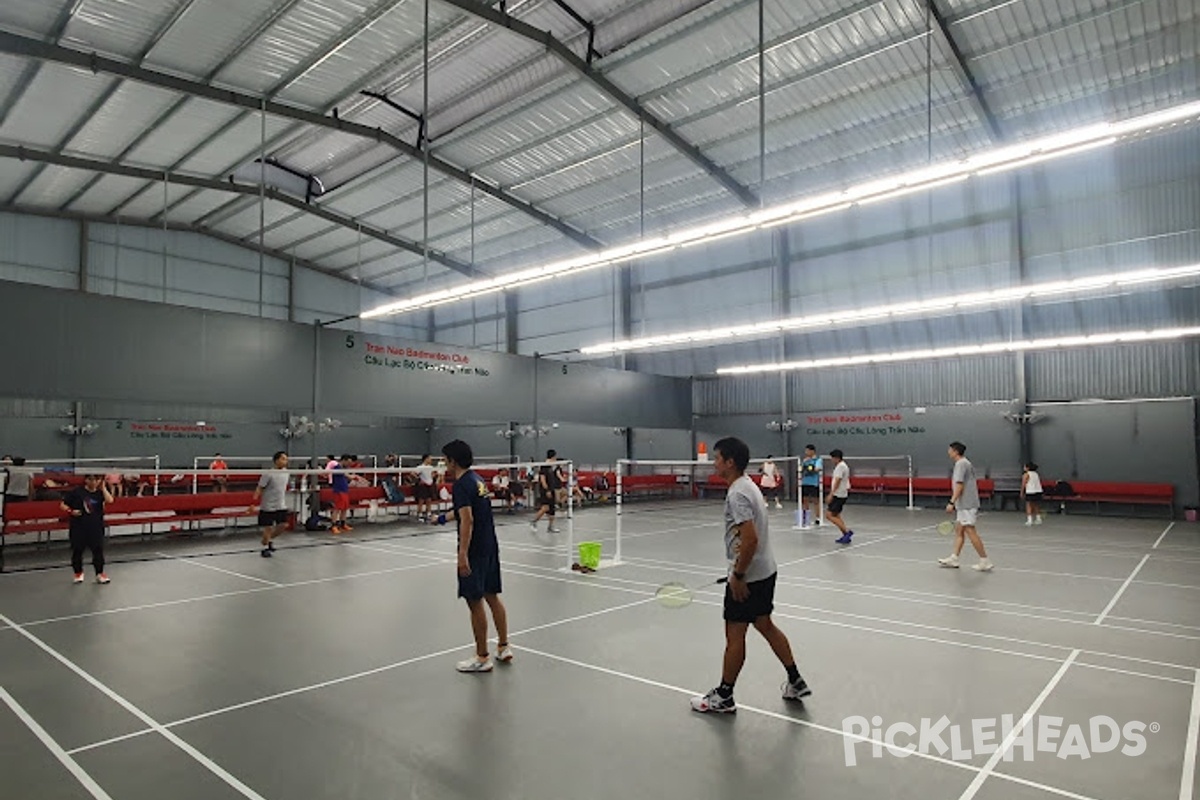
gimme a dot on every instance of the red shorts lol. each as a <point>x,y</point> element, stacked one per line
<point>341,501</point>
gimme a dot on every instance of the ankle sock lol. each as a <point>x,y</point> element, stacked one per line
<point>793,674</point>
<point>725,690</point>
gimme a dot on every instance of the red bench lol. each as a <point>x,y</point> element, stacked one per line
<point>39,516</point>
<point>1117,493</point>
<point>718,485</point>
<point>653,484</point>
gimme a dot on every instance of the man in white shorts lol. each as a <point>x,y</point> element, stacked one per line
<point>769,482</point>
<point>964,504</point>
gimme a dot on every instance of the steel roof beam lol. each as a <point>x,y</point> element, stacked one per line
<point>162,118</point>
<point>81,123</point>
<point>74,162</point>
<point>965,76</point>
<point>31,71</point>
<point>523,29</point>
<point>137,222</point>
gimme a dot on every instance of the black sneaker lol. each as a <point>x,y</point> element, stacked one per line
<point>266,552</point>
<point>796,691</point>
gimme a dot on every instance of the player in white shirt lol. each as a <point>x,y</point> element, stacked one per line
<point>839,493</point>
<point>769,482</point>
<point>1031,490</point>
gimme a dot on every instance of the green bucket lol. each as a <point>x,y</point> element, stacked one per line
<point>589,554</point>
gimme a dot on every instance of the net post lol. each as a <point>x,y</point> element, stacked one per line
<point>821,492</point>
<point>157,467</point>
<point>374,475</point>
<point>570,513</point>
<point>620,488</point>
<point>911,506</point>
<point>195,475</point>
<point>798,525</point>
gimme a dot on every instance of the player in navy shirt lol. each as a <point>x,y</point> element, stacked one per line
<point>478,557</point>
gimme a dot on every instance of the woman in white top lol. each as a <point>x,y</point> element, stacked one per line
<point>769,483</point>
<point>1031,490</point>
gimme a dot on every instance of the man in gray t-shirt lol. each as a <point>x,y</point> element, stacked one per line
<point>964,504</point>
<point>273,512</point>
<point>750,591</point>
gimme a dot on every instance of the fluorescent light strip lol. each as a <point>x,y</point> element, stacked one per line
<point>992,161</point>
<point>850,317</point>
<point>1090,340</point>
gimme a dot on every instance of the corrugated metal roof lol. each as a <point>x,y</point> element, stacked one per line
<point>846,99</point>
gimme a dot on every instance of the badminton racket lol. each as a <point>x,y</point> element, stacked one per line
<point>677,595</point>
<point>945,527</point>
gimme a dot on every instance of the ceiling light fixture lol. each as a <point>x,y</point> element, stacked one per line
<point>989,162</point>
<point>893,311</point>
<point>932,354</point>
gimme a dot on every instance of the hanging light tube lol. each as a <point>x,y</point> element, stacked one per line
<point>853,317</point>
<point>1064,342</point>
<point>989,162</point>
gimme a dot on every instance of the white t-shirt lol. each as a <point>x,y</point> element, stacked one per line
<point>500,481</point>
<point>842,471</point>
<point>770,475</point>
<point>425,474</point>
<point>1033,485</point>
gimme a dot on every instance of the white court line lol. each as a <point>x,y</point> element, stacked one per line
<point>902,623</point>
<point>354,676</point>
<point>988,768</point>
<point>220,595</point>
<point>797,721</point>
<point>1162,535</point>
<point>55,748</point>
<point>146,719</point>
<point>196,563</point>
<point>1121,591</point>
<point>1188,781</point>
<point>836,552</point>
<point>920,598</point>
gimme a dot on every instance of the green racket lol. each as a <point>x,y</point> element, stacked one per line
<point>945,527</point>
<point>676,595</point>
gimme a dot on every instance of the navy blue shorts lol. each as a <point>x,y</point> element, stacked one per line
<point>484,577</point>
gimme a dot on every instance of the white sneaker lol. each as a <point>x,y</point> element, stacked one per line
<point>984,565</point>
<point>795,691</point>
<point>950,561</point>
<point>552,529</point>
<point>473,664</point>
<point>779,505</point>
<point>78,578</point>
<point>1037,520</point>
<point>533,527</point>
<point>504,655</point>
<point>713,703</point>
<point>1029,522</point>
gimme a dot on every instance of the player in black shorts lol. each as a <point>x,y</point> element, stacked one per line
<point>478,557</point>
<point>549,481</point>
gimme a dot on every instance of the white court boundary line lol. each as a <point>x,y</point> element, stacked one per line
<point>801,722</point>
<point>912,596</point>
<point>598,582</point>
<point>155,726</point>
<point>1026,718</point>
<point>1188,780</point>
<point>197,563</point>
<point>1162,536</point>
<point>55,748</point>
<point>354,676</point>
<point>1116,597</point>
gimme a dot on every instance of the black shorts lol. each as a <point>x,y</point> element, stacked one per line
<point>1033,497</point>
<point>547,500</point>
<point>760,603</point>
<point>423,491</point>
<point>810,491</point>
<point>484,578</point>
<point>836,504</point>
<point>269,519</point>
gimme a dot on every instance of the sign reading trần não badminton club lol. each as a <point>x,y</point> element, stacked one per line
<point>890,423</point>
<point>416,359</point>
<point>159,429</point>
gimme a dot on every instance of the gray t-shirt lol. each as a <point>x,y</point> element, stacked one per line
<point>964,473</point>
<point>744,502</point>
<point>274,483</point>
<point>20,481</point>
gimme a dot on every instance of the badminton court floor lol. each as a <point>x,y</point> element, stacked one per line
<point>205,671</point>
